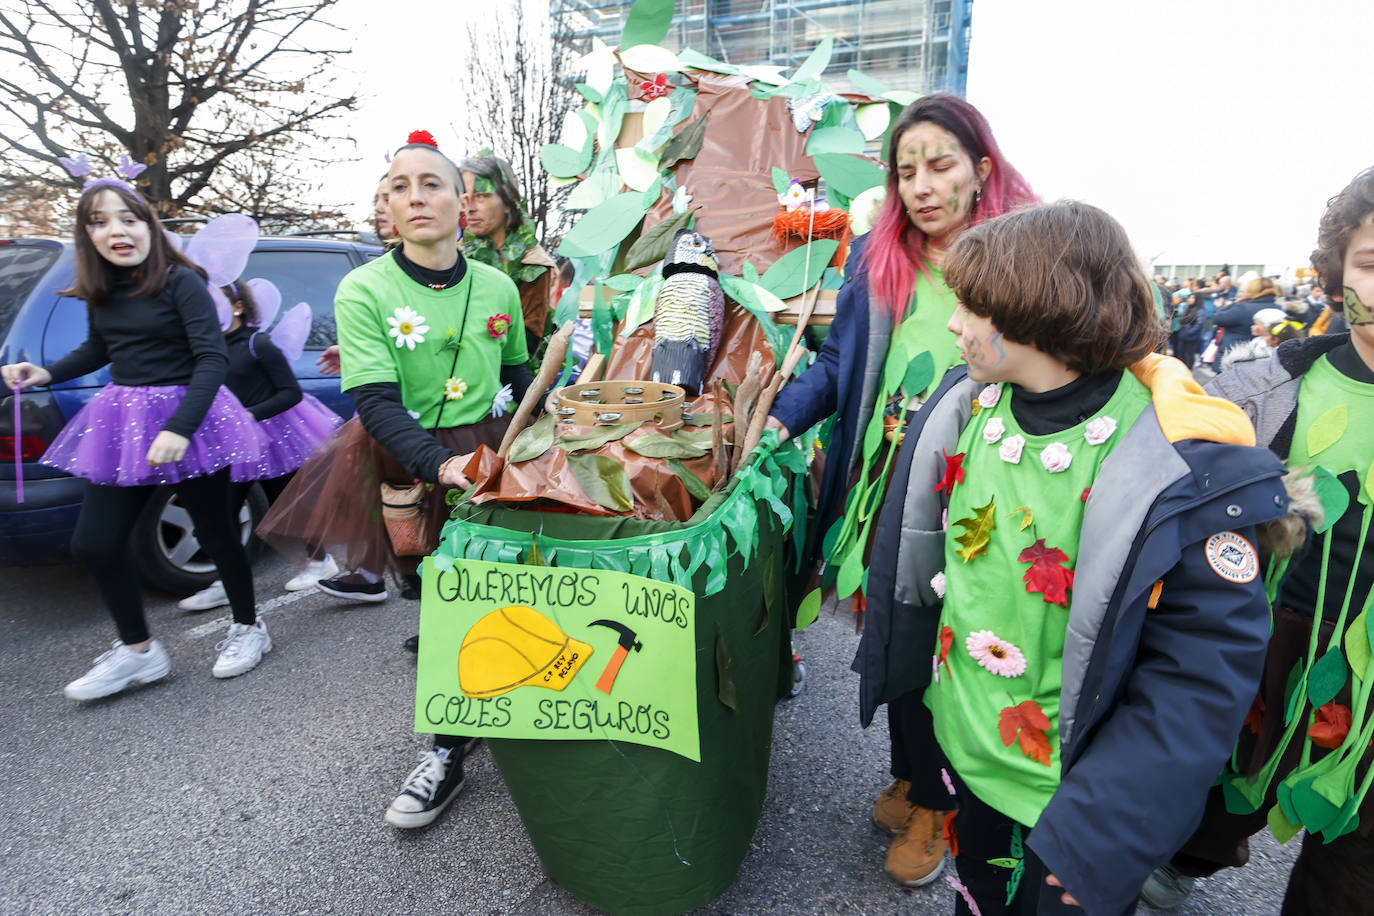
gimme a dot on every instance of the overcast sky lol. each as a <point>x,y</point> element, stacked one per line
<point>1214,130</point>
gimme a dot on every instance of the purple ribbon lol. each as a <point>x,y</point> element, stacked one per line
<point>18,453</point>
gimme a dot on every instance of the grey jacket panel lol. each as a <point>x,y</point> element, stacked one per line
<point>1264,389</point>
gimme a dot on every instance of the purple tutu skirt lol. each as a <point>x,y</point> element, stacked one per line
<point>292,435</point>
<point>107,441</point>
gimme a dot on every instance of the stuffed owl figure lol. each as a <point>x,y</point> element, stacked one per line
<point>688,314</point>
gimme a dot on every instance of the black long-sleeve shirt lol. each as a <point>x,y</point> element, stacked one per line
<point>173,338</point>
<point>264,383</point>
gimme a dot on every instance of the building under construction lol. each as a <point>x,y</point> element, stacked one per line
<point>920,45</point>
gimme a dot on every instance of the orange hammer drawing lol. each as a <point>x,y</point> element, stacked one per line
<point>628,641</point>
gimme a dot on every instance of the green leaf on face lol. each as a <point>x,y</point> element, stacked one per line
<point>790,274</point>
<point>604,226</point>
<point>834,140</point>
<point>653,245</point>
<point>781,180</point>
<point>647,23</point>
<point>849,175</point>
<point>1326,430</point>
<point>598,437</point>
<point>603,480</point>
<point>694,484</point>
<point>657,445</point>
<point>809,610</point>
<point>533,441</point>
<point>686,144</point>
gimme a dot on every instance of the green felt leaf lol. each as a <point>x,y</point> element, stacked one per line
<point>647,23</point>
<point>624,283</point>
<point>1327,677</point>
<point>1004,862</point>
<point>781,180</point>
<point>867,84</point>
<point>725,673</point>
<point>1368,497</point>
<point>834,140</point>
<point>809,610</point>
<point>1284,793</point>
<point>698,61</point>
<point>588,93</point>
<point>686,144</point>
<point>1314,811</point>
<point>533,441</point>
<point>1345,821</point>
<point>597,437</point>
<point>1241,796</point>
<point>654,243</point>
<point>657,445</point>
<point>1280,826</point>
<point>1326,430</point>
<point>1357,647</point>
<point>694,484</point>
<point>849,175</point>
<point>920,372</point>
<point>1332,494</point>
<point>535,557</point>
<point>604,226</point>
<point>1292,696</point>
<point>603,480</point>
<point>850,575</point>
<point>816,61</point>
<point>789,275</point>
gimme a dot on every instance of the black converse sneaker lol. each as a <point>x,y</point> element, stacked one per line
<point>428,790</point>
<point>353,587</point>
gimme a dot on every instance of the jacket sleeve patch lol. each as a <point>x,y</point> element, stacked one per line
<point>1232,557</point>
<point>1155,592</point>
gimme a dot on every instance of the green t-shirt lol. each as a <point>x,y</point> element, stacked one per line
<point>999,662</point>
<point>392,329</point>
<point>1328,427</point>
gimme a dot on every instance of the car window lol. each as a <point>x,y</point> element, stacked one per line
<point>21,267</point>
<point>305,276</point>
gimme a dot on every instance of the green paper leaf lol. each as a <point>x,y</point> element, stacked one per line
<point>532,441</point>
<point>613,109</point>
<point>647,23</point>
<point>1326,678</point>
<point>698,61</point>
<point>1004,862</point>
<point>1357,647</point>
<point>749,272</point>
<point>686,144</point>
<point>873,119</point>
<point>563,162</point>
<point>816,61</point>
<point>745,292</point>
<point>680,107</point>
<point>600,185</point>
<point>867,84</point>
<point>781,180</point>
<point>849,175</point>
<point>1332,494</point>
<point>535,557</point>
<point>603,330</point>
<point>653,245</point>
<point>696,487</point>
<point>809,610</point>
<point>598,437</point>
<point>1280,826</point>
<point>789,275</point>
<point>920,372</point>
<point>725,673</point>
<point>588,93</point>
<point>641,304</point>
<point>603,480</point>
<point>1326,430</point>
<point>834,140</point>
<point>649,58</point>
<point>604,226</point>
<point>625,283</point>
<point>657,445</point>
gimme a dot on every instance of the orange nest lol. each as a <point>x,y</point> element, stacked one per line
<point>828,224</point>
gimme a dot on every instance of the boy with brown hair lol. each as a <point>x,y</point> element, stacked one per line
<point>1069,540</point>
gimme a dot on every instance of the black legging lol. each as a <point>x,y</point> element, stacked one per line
<point>101,542</point>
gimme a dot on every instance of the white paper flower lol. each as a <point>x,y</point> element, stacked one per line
<point>504,398</point>
<point>990,395</point>
<point>993,430</point>
<point>937,582</point>
<point>1099,430</point>
<point>408,327</point>
<point>1010,449</point>
<point>681,200</point>
<point>1056,457</point>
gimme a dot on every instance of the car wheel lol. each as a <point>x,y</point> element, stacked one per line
<point>168,554</point>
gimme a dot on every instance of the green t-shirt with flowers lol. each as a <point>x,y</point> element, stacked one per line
<point>392,329</point>
<point>1014,521</point>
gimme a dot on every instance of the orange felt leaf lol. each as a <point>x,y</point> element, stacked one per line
<point>1046,575</point>
<point>946,641</point>
<point>1331,727</point>
<point>951,837</point>
<point>954,472</point>
<point>1026,724</point>
<point>1255,717</point>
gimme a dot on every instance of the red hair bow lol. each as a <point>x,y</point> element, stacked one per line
<point>422,136</point>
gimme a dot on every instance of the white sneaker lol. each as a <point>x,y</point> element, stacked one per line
<point>206,598</point>
<point>118,669</point>
<point>314,571</point>
<point>242,649</point>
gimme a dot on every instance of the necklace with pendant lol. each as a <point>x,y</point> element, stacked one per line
<point>440,287</point>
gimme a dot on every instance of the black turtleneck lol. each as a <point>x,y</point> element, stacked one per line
<point>1348,363</point>
<point>434,279</point>
<point>1046,412</point>
<point>172,338</point>
<point>259,375</point>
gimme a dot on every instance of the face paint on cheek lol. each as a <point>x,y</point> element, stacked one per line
<point>1356,312</point>
<point>995,343</point>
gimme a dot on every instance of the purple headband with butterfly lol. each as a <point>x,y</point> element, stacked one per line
<point>81,165</point>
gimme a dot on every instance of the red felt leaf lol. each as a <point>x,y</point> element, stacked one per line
<point>1046,575</point>
<point>1255,717</point>
<point>946,641</point>
<point>1026,724</point>
<point>1331,727</point>
<point>954,472</point>
<point>1086,491</point>
<point>951,836</point>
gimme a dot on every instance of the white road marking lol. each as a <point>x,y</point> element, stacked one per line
<point>220,624</point>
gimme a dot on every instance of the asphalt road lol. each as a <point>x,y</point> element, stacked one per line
<point>265,794</point>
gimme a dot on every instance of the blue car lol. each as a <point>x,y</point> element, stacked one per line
<point>40,326</point>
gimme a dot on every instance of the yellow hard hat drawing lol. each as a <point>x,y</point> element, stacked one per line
<point>515,646</point>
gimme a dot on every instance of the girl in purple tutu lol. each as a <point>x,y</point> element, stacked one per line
<point>165,419</point>
<point>293,422</point>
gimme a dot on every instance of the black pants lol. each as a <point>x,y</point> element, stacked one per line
<point>101,542</point>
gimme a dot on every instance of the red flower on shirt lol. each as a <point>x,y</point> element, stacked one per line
<point>498,325</point>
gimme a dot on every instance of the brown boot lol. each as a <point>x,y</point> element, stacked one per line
<point>917,854</point>
<point>891,810</point>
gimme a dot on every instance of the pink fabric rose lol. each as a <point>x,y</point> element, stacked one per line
<point>1099,430</point>
<point>1010,449</point>
<point>993,430</point>
<point>1056,457</point>
<point>990,395</point>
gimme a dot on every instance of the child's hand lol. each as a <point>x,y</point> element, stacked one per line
<point>1065,898</point>
<point>329,360</point>
<point>167,448</point>
<point>24,375</point>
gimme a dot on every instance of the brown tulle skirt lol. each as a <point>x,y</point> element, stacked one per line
<point>334,501</point>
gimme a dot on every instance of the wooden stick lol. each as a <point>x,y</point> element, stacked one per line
<point>548,374</point>
<point>592,371</point>
<point>721,453</point>
<point>745,396</point>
